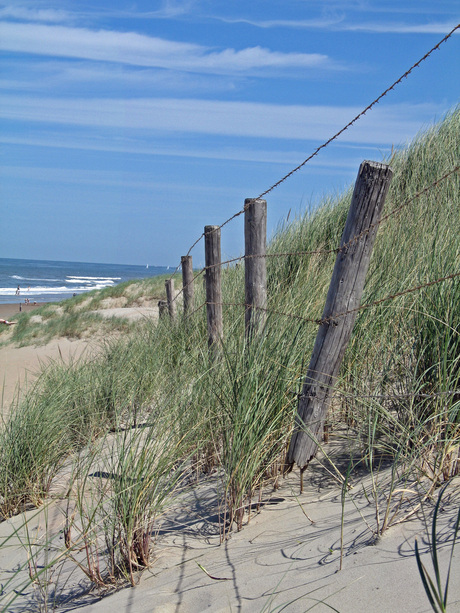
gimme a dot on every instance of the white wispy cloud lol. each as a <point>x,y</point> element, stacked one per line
<point>79,177</point>
<point>32,11</point>
<point>386,124</point>
<point>402,28</point>
<point>343,25</point>
<point>289,157</point>
<point>141,50</point>
<point>62,75</point>
<point>321,23</point>
<point>169,10</point>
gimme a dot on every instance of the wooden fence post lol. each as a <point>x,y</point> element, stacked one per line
<point>170,297</point>
<point>213,286</point>
<point>255,266</point>
<point>162,308</point>
<point>187,283</point>
<point>344,294</point>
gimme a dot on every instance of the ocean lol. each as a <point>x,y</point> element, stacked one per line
<point>50,281</point>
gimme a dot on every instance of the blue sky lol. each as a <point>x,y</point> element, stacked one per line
<point>127,126</point>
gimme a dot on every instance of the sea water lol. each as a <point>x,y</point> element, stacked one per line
<point>50,281</point>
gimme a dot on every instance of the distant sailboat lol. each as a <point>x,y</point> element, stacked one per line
<point>147,266</point>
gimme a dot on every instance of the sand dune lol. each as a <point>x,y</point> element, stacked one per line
<point>19,366</point>
<point>286,559</point>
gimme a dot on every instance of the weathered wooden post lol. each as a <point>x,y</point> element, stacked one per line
<point>344,294</point>
<point>162,308</point>
<point>213,286</point>
<point>255,266</point>
<point>187,283</point>
<point>170,298</point>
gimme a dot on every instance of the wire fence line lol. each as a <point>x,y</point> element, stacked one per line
<point>420,193</point>
<point>333,138</point>
<point>332,318</point>
<point>396,396</point>
<point>336,250</point>
<point>363,112</point>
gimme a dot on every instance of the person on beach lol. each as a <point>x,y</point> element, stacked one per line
<point>18,291</point>
<point>7,323</point>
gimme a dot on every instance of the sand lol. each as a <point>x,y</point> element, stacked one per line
<point>19,366</point>
<point>282,562</point>
<point>131,313</point>
<point>8,311</point>
<point>286,559</point>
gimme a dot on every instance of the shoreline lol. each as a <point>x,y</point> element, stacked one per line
<point>11,309</point>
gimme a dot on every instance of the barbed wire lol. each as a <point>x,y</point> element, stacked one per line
<point>195,310</point>
<point>332,318</point>
<point>390,297</point>
<point>363,112</point>
<point>333,138</point>
<point>265,309</point>
<point>420,193</point>
<point>347,395</point>
<point>395,211</point>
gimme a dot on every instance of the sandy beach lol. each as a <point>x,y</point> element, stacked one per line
<point>286,559</point>
<point>8,311</point>
<point>19,366</point>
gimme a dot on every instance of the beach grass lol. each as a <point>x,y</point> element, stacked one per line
<point>79,317</point>
<point>436,587</point>
<point>172,410</point>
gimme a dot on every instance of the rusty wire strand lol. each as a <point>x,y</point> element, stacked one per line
<point>419,193</point>
<point>390,297</point>
<point>327,251</point>
<point>195,310</point>
<point>349,124</point>
<point>396,396</point>
<point>368,108</point>
<point>332,318</point>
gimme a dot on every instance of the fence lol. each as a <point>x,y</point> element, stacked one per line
<point>335,136</point>
<point>343,301</point>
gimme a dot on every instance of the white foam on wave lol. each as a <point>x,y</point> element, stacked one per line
<point>7,291</point>
<point>11,291</point>
<point>35,279</point>
<point>88,282</point>
<point>93,278</point>
<point>24,293</point>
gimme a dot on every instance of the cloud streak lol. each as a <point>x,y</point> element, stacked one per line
<point>62,75</point>
<point>206,151</point>
<point>342,25</point>
<point>389,124</point>
<point>34,14</point>
<point>141,50</point>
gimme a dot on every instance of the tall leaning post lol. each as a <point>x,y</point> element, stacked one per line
<point>255,265</point>
<point>213,287</point>
<point>344,295</point>
<point>170,298</point>
<point>187,283</point>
